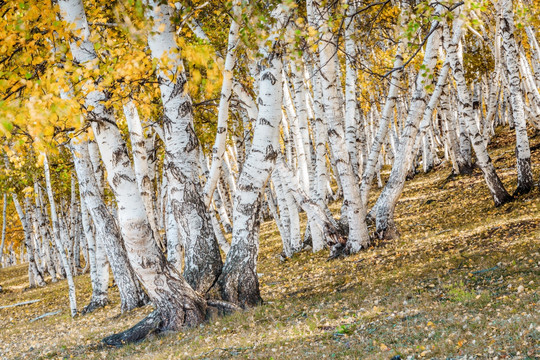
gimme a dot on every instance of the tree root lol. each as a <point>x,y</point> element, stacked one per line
<point>150,324</point>
<point>154,323</point>
<point>224,307</point>
<point>94,305</point>
<point>338,250</point>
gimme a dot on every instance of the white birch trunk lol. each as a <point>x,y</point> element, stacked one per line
<point>318,217</point>
<point>223,109</point>
<point>59,237</point>
<point>358,232</point>
<point>283,218</point>
<point>523,152</point>
<point>351,119</point>
<point>387,114</point>
<point>141,166</point>
<point>238,282</point>
<point>202,258</point>
<point>44,231</point>
<point>99,266</point>
<point>177,304</point>
<point>496,187</point>
<point>107,232</point>
<point>386,203</point>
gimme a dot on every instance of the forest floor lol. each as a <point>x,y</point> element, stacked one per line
<point>461,283</point>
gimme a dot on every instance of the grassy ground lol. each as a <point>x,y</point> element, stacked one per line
<point>462,280</point>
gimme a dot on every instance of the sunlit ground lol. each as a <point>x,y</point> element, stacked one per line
<point>462,280</point>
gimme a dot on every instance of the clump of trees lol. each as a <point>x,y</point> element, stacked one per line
<point>137,134</point>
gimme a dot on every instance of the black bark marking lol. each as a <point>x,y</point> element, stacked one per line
<point>269,76</point>
<point>117,179</point>
<point>263,121</point>
<point>221,129</point>
<point>333,132</point>
<point>270,154</point>
<point>185,109</point>
<point>193,141</point>
<point>118,155</point>
<point>167,123</point>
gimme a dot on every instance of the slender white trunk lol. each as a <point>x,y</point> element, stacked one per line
<point>351,118</point>
<point>300,150</point>
<point>496,187</point>
<point>44,231</point>
<point>320,143</point>
<point>300,104</point>
<point>523,152</point>
<point>223,109</point>
<point>358,232</point>
<point>141,166</point>
<point>283,217</point>
<point>386,203</point>
<point>238,282</point>
<point>35,273</point>
<point>387,113</point>
<point>318,216</point>
<point>60,238</point>
<point>99,266</point>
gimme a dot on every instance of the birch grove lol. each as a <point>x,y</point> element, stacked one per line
<point>163,137</point>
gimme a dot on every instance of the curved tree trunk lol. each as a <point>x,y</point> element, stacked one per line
<point>238,282</point>
<point>333,105</point>
<point>107,232</point>
<point>386,203</point>
<point>387,114</point>
<point>223,110</point>
<point>177,304</point>
<point>203,262</point>
<point>496,187</point>
<point>60,235</point>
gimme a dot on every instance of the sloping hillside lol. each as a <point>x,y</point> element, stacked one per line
<point>462,280</point>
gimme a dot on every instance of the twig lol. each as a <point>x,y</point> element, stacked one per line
<point>46,314</point>
<point>20,304</point>
<point>443,231</point>
<point>485,270</point>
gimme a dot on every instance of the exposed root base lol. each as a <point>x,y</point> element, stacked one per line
<point>523,189</point>
<point>150,324</point>
<point>223,307</point>
<point>94,305</point>
<point>338,251</point>
<point>390,233</point>
<point>466,170</point>
<point>506,199</point>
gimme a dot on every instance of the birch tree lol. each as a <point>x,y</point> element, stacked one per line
<point>202,259</point>
<point>239,282</point>
<point>523,152</point>
<point>177,304</point>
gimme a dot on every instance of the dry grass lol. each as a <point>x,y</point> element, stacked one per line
<point>462,280</point>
